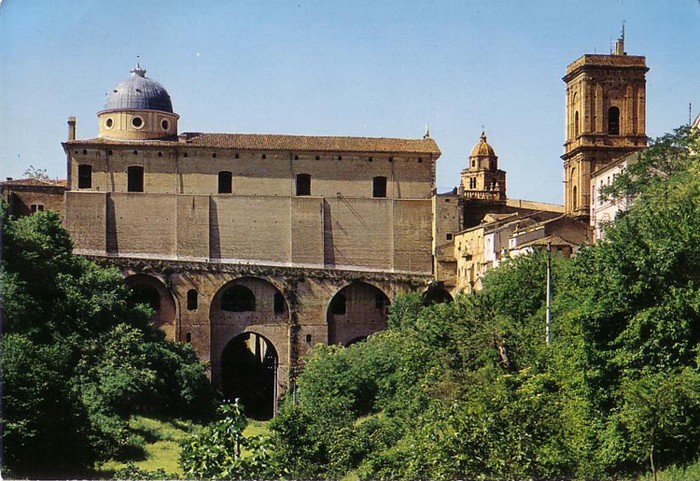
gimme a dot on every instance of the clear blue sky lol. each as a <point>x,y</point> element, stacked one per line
<point>368,68</point>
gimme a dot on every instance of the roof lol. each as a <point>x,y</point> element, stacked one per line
<point>139,93</point>
<point>552,240</point>
<point>31,182</point>
<point>482,149</point>
<point>293,143</point>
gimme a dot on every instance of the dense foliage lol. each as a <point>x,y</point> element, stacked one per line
<point>470,390</point>
<point>78,358</point>
<point>221,451</point>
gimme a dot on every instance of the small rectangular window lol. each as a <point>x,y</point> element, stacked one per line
<point>225,182</point>
<point>448,236</point>
<point>84,176</point>
<point>303,184</point>
<point>192,300</point>
<point>379,187</point>
<point>135,179</point>
<point>36,208</point>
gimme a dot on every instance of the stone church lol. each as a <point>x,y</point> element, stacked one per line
<point>254,248</point>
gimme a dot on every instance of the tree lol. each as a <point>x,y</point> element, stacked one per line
<point>216,453</point>
<point>78,359</point>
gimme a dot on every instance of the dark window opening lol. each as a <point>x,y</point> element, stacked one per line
<point>264,156</point>
<point>185,155</point>
<point>448,236</point>
<point>379,302</point>
<point>84,176</point>
<point>225,182</point>
<point>308,339</point>
<point>278,302</point>
<point>135,178</point>
<point>318,157</point>
<point>614,121</point>
<point>192,300</point>
<point>145,294</point>
<point>576,124</point>
<point>339,304</point>
<point>188,337</point>
<point>36,208</point>
<point>370,159</point>
<point>296,157</point>
<point>84,152</point>
<point>340,157</point>
<point>109,152</point>
<point>213,156</point>
<point>136,152</point>
<point>303,184</point>
<point>379,187</point>
<point>137,122</point>
<point>238,299</point>
<point>160,154</point>
<point>237,156</point>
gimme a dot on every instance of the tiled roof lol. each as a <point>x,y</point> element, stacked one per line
<point>33,183</point>
<point>292,143</point>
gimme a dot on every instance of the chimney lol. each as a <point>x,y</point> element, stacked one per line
<point>71,128</point>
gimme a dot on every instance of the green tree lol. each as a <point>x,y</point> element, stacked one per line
<point>77,358</point>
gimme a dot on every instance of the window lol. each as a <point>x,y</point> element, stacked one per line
<point>188,337</point>
<point>278,302</point>
<point>84,176</point>
<point>339,305</point>
<point>109,123</point>
<point>614,121</point>
<point>379,187</point>
<point>192,300</point>
<point>164,124</point>
<point>135,178</point>
<point>308,339</point>
<point>238,299</point>
<point>137,122</point>
<point>225,182</point>
<point>303,184</point>
<point>574,198</point>
<point>448,236</point>
<point>36,208</point>
<point>576,124</point>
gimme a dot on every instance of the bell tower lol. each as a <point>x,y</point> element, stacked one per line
<point>605,118</point>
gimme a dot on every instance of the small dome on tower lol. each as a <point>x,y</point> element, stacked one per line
<point>482,149</point>
<point>139,93</point>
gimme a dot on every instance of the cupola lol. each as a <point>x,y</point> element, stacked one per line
<point>139,108</point>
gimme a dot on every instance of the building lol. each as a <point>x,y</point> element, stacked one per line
<point>605,119</point>
<point>252,248</point>
<point>605,209</point>
<point>26,196</point>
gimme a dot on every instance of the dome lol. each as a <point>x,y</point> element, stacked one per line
<point>482,149</point>
<point>139,93</point>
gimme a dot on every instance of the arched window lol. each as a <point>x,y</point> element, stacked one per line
<point>191,300</point>
<point>225,182</point>
<point>575,124</point>
<point>135,178</point>
<point>278,302</point>
<point>338,304</point>
<point>303,184</point>
<point>614,121</point>
<point>574,200</point>
<point>238,299</point>
<point>379,186</point>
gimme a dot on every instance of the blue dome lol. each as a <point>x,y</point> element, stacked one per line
<point>139,93</point>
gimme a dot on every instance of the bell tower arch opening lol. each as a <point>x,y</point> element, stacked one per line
<point>249,365</point>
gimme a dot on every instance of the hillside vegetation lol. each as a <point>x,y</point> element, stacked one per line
<point>470,390</point>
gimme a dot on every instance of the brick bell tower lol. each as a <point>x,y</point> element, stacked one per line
<point>605,118</point>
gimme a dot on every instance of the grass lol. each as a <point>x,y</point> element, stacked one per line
<point>162,444</point>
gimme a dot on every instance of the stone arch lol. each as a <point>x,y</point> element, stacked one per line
<point>270,319</point>
<point>364,313</point>
<point>150,290</point>
<point>436,294</point>
<point>249,300</point>
<point>249,364</point>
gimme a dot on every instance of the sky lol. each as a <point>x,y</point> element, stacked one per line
<point>377,68</point>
